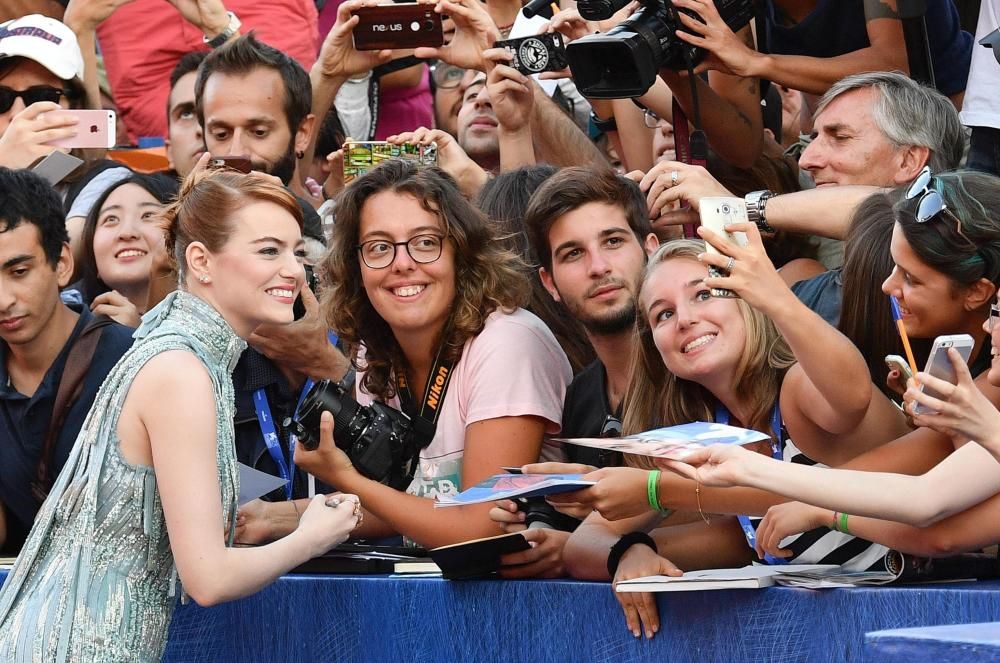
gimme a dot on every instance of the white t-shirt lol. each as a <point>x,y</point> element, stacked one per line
<point>981,106</point>
<point>514,367</point>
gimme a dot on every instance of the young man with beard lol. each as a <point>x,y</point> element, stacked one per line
<point>591,232</point>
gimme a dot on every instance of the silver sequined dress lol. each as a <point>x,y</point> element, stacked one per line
<point>95,580</point>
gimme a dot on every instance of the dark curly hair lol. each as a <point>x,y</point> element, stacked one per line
<point>488,276</point>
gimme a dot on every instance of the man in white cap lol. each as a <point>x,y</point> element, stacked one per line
<point>41,70</point>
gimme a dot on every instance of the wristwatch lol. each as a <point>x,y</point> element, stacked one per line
<point>756,202</point>
<point>601,125</point>
<point>231,29</point>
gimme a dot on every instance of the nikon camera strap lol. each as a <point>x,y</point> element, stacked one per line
<point>425,419</point>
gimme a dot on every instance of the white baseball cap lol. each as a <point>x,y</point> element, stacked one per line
<point>45,40</point>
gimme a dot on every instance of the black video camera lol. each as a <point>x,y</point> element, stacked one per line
<point>379,440</point>
<point>624,61</point>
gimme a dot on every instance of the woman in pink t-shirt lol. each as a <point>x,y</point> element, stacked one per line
<point>417,276</point>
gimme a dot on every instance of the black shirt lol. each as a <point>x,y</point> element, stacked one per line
<point>585,414</point>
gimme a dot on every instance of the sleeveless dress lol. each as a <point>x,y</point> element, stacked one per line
<point>96,578</point>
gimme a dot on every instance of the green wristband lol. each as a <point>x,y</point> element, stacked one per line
<point>842,524</point>
<point>652,489</point>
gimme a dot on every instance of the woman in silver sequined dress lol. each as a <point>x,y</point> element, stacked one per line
<point>150,489</point>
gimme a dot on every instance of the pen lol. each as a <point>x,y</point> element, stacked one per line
<point>898,317</point>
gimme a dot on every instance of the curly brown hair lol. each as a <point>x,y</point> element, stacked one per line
<point>488,276</point>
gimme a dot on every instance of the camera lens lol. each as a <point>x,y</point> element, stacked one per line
<point>429,25</point>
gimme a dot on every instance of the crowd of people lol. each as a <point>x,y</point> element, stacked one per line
<point>545,278</point>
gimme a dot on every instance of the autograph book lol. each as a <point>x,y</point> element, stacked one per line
<point>673,442</point>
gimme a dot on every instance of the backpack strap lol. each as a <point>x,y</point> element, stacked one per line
<point>80,356</point>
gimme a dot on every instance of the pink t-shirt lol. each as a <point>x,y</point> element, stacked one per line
<point>143,40</point>
<point>513,367</point>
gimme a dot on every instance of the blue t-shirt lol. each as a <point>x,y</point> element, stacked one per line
<point>24,422</point>
<point>836,27</point>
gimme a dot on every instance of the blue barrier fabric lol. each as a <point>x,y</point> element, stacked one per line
<point>935,644</point>
<point>378,618</point>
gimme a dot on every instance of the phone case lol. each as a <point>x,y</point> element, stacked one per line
<point>360,157</point>
<point>400,26</point>
<point>535,54</point>
<point>939,364</point>
<point>56,166</point>
<point>897,363</point>
<point>95,129</point>
<point>716,213</point>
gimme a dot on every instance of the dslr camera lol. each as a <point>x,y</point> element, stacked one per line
<point>624,61</point>
<point>379,440</point>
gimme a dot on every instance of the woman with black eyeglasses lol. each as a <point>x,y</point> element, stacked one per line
<point>41,71</point>
<point>428,302</point>
<point>946,249</point>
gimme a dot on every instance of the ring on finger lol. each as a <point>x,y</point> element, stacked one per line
<point>674,177</point>
<point>334,502</point>
<point>729,265</point>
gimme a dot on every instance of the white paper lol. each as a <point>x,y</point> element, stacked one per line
<point>254,483</point>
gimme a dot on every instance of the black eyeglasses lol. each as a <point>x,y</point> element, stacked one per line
<point>30,96</point>
<point>931,203</point>
<point>994,316</point>
<point>379,253</point>
<point>446,76</point>
<point>651,119</point>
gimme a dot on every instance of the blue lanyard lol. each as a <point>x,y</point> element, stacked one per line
<point>722,417</point>
<point>267,428</point>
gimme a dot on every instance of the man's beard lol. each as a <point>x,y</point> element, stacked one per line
<point>283,168</point>
<point>612,322</point>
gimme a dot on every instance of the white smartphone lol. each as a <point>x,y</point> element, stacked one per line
<point>939,364</point>
<point>897,363</point>
<point>716,213</point>
<point>96,128</point>
<point>56,166</point>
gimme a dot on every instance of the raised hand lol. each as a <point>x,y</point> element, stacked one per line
<point>451,157</point>
<point>27,136</point>
<point>475,32</point>
<point>751,274</point>
<point>338,59</point>
<point>963,413</point>
<point>726,51</point>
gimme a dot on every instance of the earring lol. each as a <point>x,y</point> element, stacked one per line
<point>299,154</point>
<point>204,278</point>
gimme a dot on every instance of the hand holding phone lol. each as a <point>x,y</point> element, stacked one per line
<point>716,213</point>
<point>398,26</point>
<point>897,363</point>
<point>939,364</point>
<point>237,163</point>
<point>94,128</point>
<point>362,156</point>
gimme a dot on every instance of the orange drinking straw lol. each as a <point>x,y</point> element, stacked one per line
<point>555,8</point>
<point>898,317</point>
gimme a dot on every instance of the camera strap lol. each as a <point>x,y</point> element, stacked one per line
<point>722,417</point>
<point>425,419</point>
<point>691,147</point>
<point>270,432</point>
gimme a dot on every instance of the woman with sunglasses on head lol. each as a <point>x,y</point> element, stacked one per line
<point>946,247</point>
<point>418,283</point>
<point>149,492</point>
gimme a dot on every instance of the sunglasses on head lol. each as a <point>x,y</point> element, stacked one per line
<point>931,203</point>
<point>30,96</point>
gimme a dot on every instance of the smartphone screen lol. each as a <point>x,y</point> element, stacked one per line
<point>95,129</point>
<point>360,157</point>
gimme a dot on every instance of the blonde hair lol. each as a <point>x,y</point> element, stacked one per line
<point>656,397</point>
